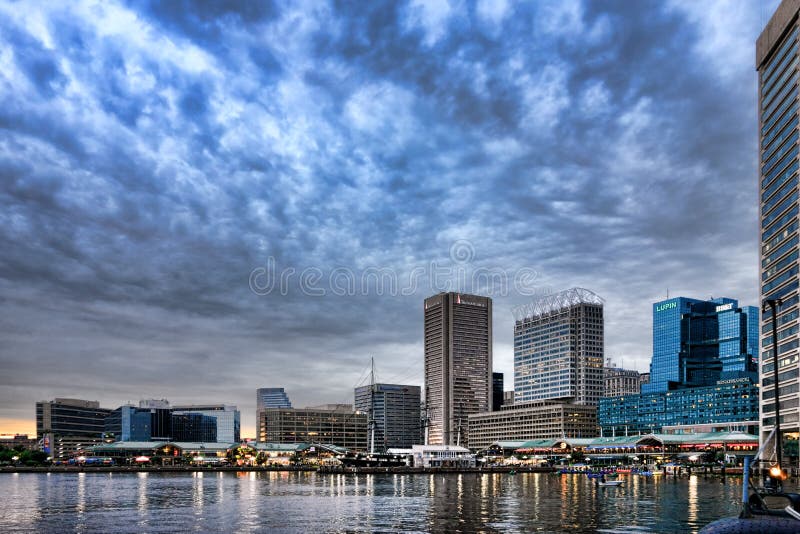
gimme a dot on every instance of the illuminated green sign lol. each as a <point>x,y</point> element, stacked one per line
<point>666,306</point>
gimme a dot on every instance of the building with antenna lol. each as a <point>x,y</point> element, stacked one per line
<point>558,348</point>
<point>393,415</point>
<point>458,364</point>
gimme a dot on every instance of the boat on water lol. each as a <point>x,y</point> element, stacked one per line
<point>609,483</point>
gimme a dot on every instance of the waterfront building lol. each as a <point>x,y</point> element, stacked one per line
<point>727,401</point>
<point>703,369</point>
<point>618,381</point>
<point>532,420</point>
<point>334,424</point>
<point>776,62</point>
<point>558,348</point>
<point>442,456</point>
<point>458,364</point>
<point>747,427</point>
<point>497,391</point>
<point>393,411</point>
<point>697,343</point>
<point>194,427</point>
<point>129,423</point>
<point>66,427</point>
<point>227,416</point>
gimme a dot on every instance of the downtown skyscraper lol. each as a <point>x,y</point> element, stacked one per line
<point>558,348</point>
<point>458,364</point>
<point>776,62</point>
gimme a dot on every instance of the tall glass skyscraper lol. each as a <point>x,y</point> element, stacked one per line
<point>776,62</point>
<point>558,348</point>
<point>703,370</point>
<point>696,343</point>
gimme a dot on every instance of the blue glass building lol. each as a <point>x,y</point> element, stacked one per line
<point>696,343</point>
<point>704,369</point>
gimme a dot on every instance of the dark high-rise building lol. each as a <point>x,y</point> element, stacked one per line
<point>194,427</point>
<point>67,427</point>
<point>497,391</point>
<point>776,62</point>
<point>558,348</point>
<point>458,364</point>
<point>393,410</point>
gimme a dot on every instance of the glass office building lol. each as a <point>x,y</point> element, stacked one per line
<point>776,62</point>
<point>558,348</point>
<point>272,398</point>
<point>228,419</point>
<point>704,369</point>
<point>726,401</point>
<point>394,413</point>
<point>696,343</point>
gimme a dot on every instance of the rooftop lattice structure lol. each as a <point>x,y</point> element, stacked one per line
<point>555,302</point>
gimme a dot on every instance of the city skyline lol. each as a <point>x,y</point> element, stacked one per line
<point>154,160</point>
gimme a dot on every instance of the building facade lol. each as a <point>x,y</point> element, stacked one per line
<point>558,348</point>
<point>727,401</point>
<point>696,343</point>
<point>272,398</point>
<point>129,423</point>
<point>227,416</point>
<point>618,381</point>
<point>332,425</point>
<point>194,427</point>
<point>703,369</point>
<point>458,364</point>
<point>66,427</point>
<point>393,411</point>
<point>533,420</point>
<point>776,62</point>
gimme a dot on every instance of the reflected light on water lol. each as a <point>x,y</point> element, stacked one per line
<point>296,502</point>
<point>692,513</point>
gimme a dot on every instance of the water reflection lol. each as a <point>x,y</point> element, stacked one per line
<point>309,502</point>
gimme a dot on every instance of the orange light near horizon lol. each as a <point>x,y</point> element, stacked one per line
<point>13,427</point>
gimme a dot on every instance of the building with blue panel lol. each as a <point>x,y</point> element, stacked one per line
<point>704,369</point>
<point>129,423</point>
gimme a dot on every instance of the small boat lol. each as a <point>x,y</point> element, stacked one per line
<point>610,483</point>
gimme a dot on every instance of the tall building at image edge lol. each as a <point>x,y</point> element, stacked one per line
<point>458,364</point>
<point>703,369</point>
<point>558,348</point>
<point>776,63</point>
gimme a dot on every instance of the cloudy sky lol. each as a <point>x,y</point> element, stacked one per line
<point>196,201</point>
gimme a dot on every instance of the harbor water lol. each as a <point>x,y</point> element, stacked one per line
<point>313,502</point>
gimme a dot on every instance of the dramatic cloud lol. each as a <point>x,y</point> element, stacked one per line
<point>201,199</point>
